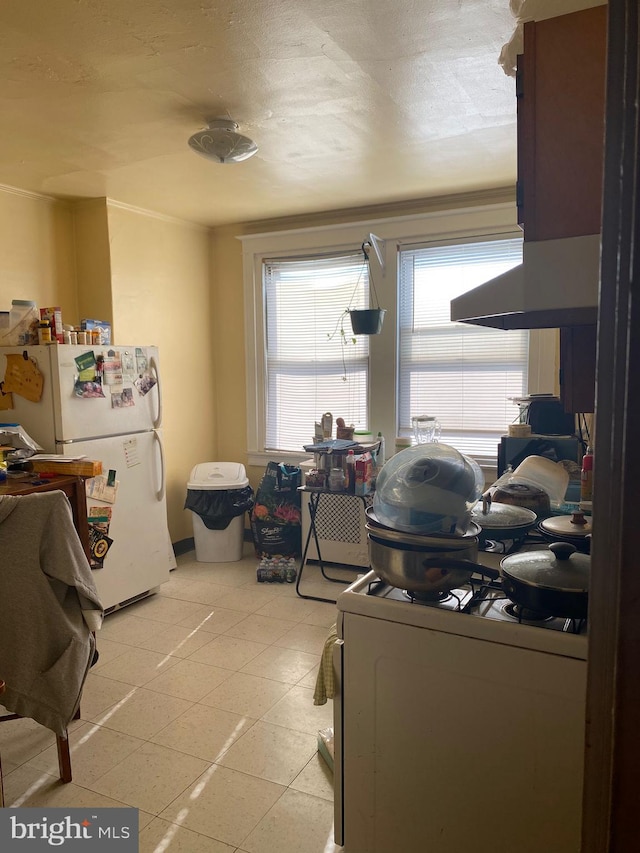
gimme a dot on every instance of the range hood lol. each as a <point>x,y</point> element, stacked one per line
<point>555,285</point>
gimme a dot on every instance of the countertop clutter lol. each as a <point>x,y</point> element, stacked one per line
<point>27,325</point>
<point>347,463</point>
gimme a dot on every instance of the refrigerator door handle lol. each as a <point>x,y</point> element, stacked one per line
<point>153,367</point>
<point>338,746</point>
<point>160,492</point>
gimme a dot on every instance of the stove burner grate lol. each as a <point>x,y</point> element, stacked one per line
<point>429,597</point>
<point>523,614</point>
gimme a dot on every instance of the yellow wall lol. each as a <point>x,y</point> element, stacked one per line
<point>228,346</point>
<point>93,260</point>
<point>152,278</point>
<point>37,252</point>
<point>161,294</point>
<point>160,282</point>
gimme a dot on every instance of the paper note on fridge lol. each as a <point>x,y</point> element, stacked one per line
<point>99,489</point>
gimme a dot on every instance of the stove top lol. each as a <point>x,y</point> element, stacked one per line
<point>483,596</point>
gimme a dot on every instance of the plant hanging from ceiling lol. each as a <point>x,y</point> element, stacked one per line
<point>364,321</point>
<point>368,321</point>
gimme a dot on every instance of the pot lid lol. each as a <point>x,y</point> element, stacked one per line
<point>559,567</point>
<point>574,526</point>
<point>424,542</point>
<point>443,540</point>
<point>502,516</point>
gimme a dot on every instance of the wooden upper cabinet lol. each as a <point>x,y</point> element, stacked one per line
<point>561,101</point>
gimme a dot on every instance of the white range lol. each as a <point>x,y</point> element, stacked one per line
<point>457,729</point>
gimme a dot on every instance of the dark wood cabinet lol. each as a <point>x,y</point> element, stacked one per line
<point>578,368</point>
<point>561,107</point>
<point>561,99</point>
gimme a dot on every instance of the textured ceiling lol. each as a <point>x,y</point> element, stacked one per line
<point>351,103</point>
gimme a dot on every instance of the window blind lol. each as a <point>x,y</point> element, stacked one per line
<point>463,375</point>
<point>311,367</point>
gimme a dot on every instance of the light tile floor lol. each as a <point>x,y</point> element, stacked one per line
<point>200,714</point>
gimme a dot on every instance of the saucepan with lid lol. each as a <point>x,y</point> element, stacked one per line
<point>553,581</point>
<point>574,528</point>
<point>502,521</point>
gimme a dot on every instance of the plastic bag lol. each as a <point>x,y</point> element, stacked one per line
<point>276,517</point>
<point>217,509</point>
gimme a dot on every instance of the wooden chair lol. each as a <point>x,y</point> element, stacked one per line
<point>62,743</point>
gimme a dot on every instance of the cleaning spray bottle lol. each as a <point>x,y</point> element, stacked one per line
<point>586,476</point>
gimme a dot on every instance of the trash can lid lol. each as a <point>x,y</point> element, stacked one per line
<point>218,475</point>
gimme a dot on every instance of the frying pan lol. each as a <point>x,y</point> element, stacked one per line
<point>554,581</point>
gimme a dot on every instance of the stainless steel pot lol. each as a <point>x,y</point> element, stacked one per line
<point>417,571</point>
<point>423,564</point>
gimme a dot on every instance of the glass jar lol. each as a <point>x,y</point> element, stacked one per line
<point>337,480</point>
<point>426,429</point>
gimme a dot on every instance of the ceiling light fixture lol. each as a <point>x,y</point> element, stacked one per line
<point>221,143</point>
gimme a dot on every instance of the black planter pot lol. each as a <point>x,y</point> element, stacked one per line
<point>367,321</point>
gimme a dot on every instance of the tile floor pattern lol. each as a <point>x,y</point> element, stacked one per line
<point>200,714</point>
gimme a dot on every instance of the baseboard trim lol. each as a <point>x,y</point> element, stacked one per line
<point>183,546</point>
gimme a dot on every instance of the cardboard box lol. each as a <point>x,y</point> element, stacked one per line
<point>103,326</point>
<point>54,317</point>
<point>79,468</point>
<point>364,473</point>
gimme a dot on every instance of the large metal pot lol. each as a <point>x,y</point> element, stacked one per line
<point>553,581</point>
<point>424,564</point>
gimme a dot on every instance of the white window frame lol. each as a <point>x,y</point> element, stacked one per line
<point>489,219</point>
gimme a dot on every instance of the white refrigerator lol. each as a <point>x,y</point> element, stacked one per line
<point>117,420</point>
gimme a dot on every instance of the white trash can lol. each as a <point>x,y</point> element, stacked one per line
<point>218,546</point>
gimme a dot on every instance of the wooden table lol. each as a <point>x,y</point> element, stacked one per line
<point>73,487</point>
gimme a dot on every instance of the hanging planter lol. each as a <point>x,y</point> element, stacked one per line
<point>367,321</point>
<point>364,321</point>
